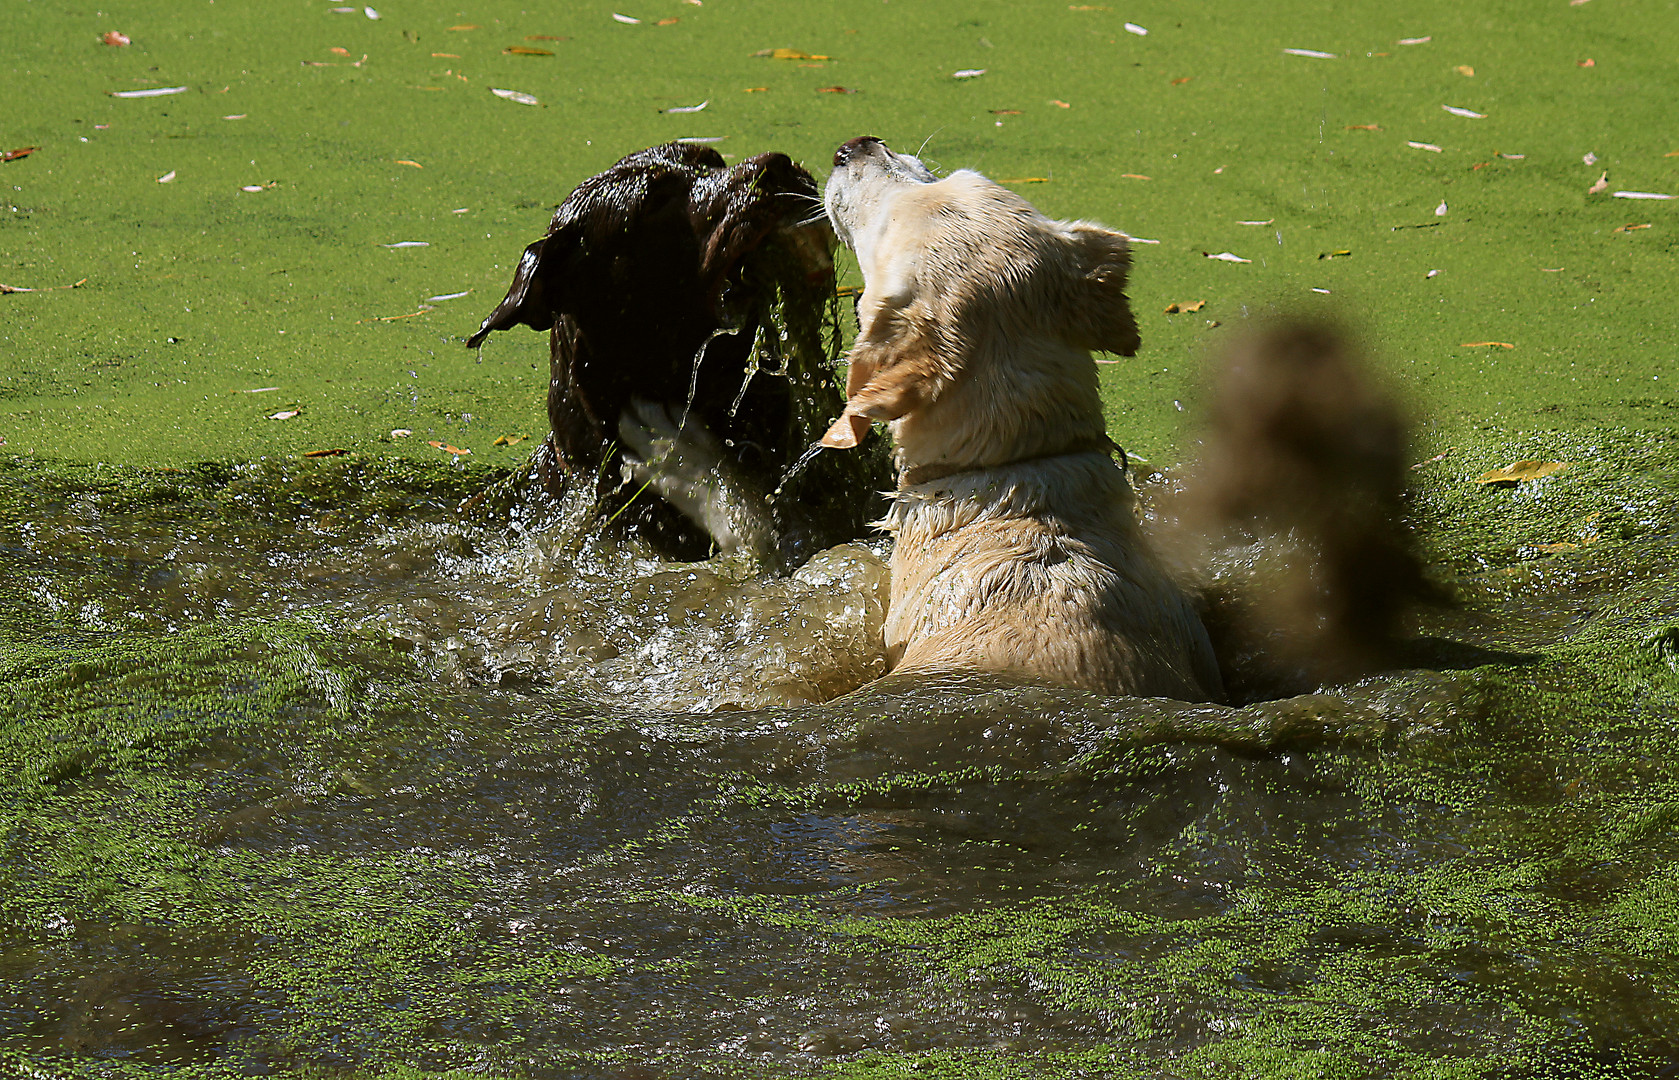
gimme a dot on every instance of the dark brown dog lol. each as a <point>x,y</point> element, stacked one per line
<point>675,286</point>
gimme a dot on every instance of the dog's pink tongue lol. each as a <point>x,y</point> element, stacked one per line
<point>846,432</point>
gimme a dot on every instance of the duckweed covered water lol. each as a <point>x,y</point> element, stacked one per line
<point>307,773</point>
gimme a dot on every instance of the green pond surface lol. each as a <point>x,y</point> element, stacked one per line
<point>303,771</point>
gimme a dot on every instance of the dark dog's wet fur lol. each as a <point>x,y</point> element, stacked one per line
<point>673,279</point>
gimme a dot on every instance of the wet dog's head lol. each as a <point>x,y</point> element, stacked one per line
<point>978,312</point>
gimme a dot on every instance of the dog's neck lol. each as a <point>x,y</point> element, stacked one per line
<point>913,475</point>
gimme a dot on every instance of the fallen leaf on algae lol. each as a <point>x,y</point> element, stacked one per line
<point>1225,256</point>
<point>835,90</point>
<point>405,161</point>
<point>1487,344</point>
<point>339,50</point>
<point>1334,254</point>
<point>1025,180</point>
<point>1003,112</point>
<point>755,90</point>
<point>19,153</point>
<point>1465,69</point>
<point>1180,309</point>
<point>115,37</point>
<point>522,50</point>
<point>546,37</point>
<point>1134,176</point>
<point>446,448</point>
<point>155,92</point>
<point>1629,227</point>
<point>467,26</point>
<point>1601,185</point>
<point>515,95</point>
<point>1521,470</point>
<point>336,451</point>
<point>1180,82</point>
<point>1587,62</point>
<point>790,54</point>
<point>286,414</point>
<point>509,440</point>
<point>672,21</point>
<point>1059,104</point>
<point>1267,221</point>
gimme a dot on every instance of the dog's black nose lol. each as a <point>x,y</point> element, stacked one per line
<point>853,147</point>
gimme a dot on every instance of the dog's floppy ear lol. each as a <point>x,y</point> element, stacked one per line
<point>533,298</point>
<point>1098,316</point>
<point>891,375</point>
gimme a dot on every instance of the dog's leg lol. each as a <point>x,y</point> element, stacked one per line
<point>683,462</point>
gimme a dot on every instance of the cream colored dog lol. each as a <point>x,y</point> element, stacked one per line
<point>1017,548</point>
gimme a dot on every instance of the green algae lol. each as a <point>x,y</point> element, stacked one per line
<point>240,836</point>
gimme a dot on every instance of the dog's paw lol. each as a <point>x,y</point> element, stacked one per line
<point>681,460</point>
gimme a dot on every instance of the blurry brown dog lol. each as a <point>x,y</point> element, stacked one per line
<point>1017,548</point>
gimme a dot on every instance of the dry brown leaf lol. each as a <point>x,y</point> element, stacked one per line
<point>1465,69</point>
<point>1482,344</point>
<point>835,90</point>
<point>1003,112</point>
<point>446,55</point>
<point>1134,176</point>
<point>524,50</point>
<point>334,452</point>
<point>790,54</point>
<point>1364,127</point>
<point>20,152</point>
<point>115,37</point>
<point>1025,180</point>
<point>446,448</point>
<point>467,26</point>
<point>1587,62</point>
<point>1059,104</point>
<point>672,21</point>
<point>1520,471</point>
<point>1183,308</point>
<point>1180,82</point>
<point>1629,227</point>
<point>756,89</point>
<point>546,37</point>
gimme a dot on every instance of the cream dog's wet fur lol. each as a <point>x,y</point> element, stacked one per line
<point>1016,543</point>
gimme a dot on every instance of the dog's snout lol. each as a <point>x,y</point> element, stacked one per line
<point>852,147</point>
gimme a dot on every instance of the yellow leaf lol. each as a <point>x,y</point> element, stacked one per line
<point>405,161</point>
<point>1182,308</point>
<point>334,452</point>
<point>1522,470</point>
<point>1483,344</point>
<point>1134,176</point>
<point>509,440</point>
<point>446,448</point>
<point>1334,254</point>
<point>1631,228</point>
<point>467,26</point>
<point>1465,69</point>
<point>790,54</point>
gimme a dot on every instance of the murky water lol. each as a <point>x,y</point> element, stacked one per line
<point>308,771</point>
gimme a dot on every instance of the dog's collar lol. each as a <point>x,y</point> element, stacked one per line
<point>926,474</point>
